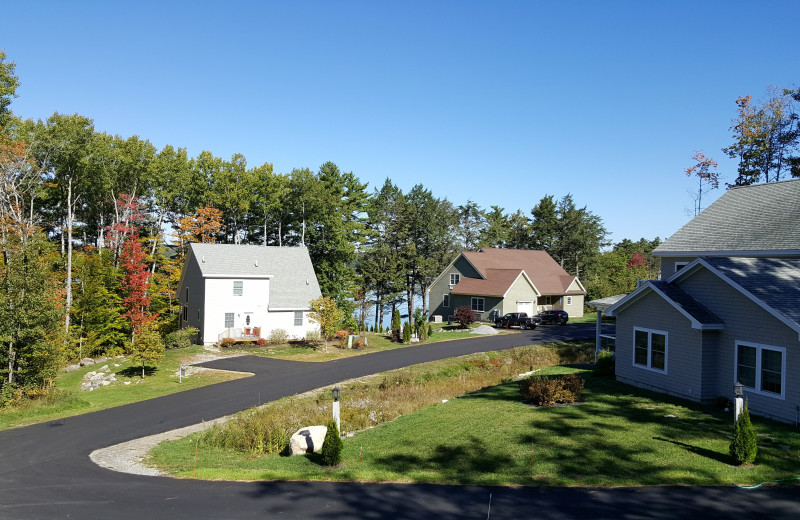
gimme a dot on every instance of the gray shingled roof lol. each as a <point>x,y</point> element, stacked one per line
<point>684,300</point>
<point>763,218</point>
<point>293,284</point>
<point>774,281</point>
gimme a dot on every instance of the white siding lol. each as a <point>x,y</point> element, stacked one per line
<point>285,320</point>
<point>219,299</point>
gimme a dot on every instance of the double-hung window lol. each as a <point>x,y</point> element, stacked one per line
<point>761,368</point>
<point>454,279</point>
<point>446,300</point>
<point>477,304</point>
<point>650,349</point>
<point>298,318</point>
<point>228,320</point>
<point>238,287</point>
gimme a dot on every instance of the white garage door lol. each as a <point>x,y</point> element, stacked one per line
<point>526,307</point>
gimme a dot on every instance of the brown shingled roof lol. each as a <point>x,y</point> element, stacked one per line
<point>495,265</point>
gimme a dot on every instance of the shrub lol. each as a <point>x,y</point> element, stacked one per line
<point>262,342</point>
<point>744,445</point>
<point>332,446</point>
<point>407,333</point>
<point>430,330</point>
<point>278,336</point>
<point>544,391</point>
<point>606,362</point>
<point>464,316</point>
<point>423,332</point>
<point>313,335</point>
<point>227,342</point>
<point>180,338</point>
<point>396,326</point>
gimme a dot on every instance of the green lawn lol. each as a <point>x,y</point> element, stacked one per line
<point>620,436</point>
<point>67,399</point>
<point>376,343</point>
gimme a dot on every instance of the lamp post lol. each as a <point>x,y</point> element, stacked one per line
<point>335,393</point>
<point>738,403</point>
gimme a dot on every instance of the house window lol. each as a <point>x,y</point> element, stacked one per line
<point>228,320</point>
<point>446,300</point>
<point>186,300</point>
<point>298,318</point>
<point>198,314</point>
<point>454,279</point>
<point>569,300</point>
<point>185,313</point>
<point>680,265</point>
<point>238,288</point>
<point>761,368</point>
<point>650,349</point>
<point>477,304</point>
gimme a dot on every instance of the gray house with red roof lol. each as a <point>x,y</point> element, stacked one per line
<point>493,282</point>
<point>727,308</point>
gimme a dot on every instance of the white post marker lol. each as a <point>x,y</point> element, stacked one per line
<point>738,402</point>
<point>335,408</point>
<point>182,373</point>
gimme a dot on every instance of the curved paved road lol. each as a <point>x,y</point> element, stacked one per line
<point>45,471</point>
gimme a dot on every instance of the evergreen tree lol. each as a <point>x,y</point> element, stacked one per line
<point>396,326</point>
<point>332,446</point>
<point>744,445</point>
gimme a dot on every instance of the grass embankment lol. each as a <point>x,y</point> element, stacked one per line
<point>67,399</point>
<point>619,436</point>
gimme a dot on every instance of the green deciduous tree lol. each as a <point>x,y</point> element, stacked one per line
<point>326,313</point>
<point>8,87</point>
<point>705,169</point>
<point>147,348</point>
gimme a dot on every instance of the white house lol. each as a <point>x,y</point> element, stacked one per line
<point>245,291</point>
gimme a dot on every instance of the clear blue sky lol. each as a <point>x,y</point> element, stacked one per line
<point>498,102</point>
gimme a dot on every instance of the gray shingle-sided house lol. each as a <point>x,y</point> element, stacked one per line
<point>499,281</point>
<point>246,291</point>
<point>727,308</point>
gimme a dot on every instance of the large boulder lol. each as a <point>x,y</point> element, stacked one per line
<point>307,440</point>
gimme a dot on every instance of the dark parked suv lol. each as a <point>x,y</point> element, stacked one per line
<point>554,317</point>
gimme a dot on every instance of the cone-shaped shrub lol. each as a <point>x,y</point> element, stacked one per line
<point>332,446</point>
<point>407,333</point>
<point>744,445</point>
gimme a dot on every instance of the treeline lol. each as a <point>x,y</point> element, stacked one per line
<point>94,229</point>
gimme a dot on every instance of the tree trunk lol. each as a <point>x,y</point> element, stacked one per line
<point>68,282</point>
<point>11,356</point>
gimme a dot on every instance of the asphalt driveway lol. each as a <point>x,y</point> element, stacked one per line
<point>45,471</point>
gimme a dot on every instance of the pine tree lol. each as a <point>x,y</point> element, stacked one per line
<point>744,445</point>
<point>407,333</point>
<point>396,326</point>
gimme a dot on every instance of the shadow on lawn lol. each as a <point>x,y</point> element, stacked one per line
<point>457,464</point>
<point>136,371</point>
<point>709,454</point>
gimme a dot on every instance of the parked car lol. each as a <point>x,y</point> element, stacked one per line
<point>554,317</point>
<point>517,319</point>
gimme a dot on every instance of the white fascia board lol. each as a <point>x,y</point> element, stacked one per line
<point>753,298</point>
<point>738,252</point>
<point>523,273</point>
<point>186,262</point>
<point>624,302</point>
<point>240,276</point>
<point>446,269</point>
<point>695,324</point>
<point>687,270</point>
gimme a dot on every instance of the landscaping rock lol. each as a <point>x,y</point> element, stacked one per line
<point>71,368</point>
<point>484,329</point>
<point>307,440</point>
<point>96,379</point>
<point>85,362</point>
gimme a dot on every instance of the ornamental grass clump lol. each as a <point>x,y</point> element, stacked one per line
<point>744,445</point>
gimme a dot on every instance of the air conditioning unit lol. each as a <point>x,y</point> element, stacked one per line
<point>437,318</point>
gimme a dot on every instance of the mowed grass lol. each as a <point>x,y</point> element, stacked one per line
<point>377,342</point>
<point>619,436</point>
<point>67,399</point>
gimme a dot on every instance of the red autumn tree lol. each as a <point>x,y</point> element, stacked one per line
<point>135,283</point>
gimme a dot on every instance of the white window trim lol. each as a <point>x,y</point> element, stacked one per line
<point>569,300</point>
<point>759,347</point>
<point>679,265</point>
<point>476,299</point>
<point>295,318</point>
<point>446,301</point>
<point>225,319</point>
<point>457,277</point>
<point>242,287</point>
<point>649,366</point>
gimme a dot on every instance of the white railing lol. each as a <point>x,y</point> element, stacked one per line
<point>240,333</point>
<point>608,342</point>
